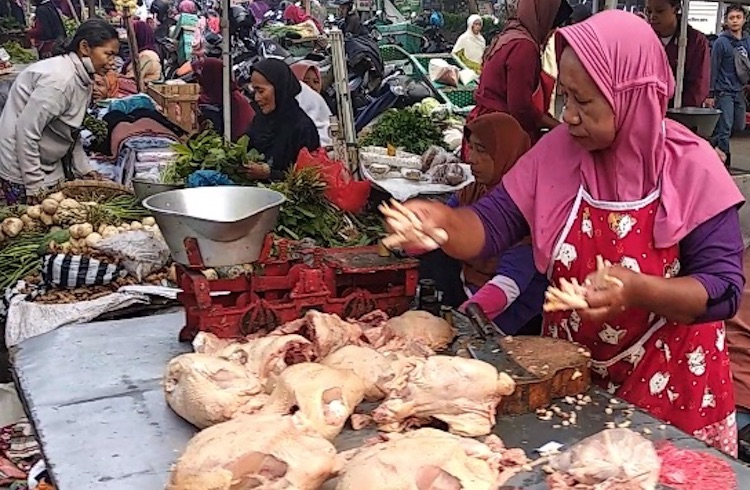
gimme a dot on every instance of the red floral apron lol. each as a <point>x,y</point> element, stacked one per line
<point>678,373</point>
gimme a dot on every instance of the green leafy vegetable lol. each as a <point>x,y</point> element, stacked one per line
<point>407,129</point>
<point>18,54</point>
<point>210,151</point>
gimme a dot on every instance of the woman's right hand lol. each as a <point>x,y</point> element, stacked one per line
<point>428,233</point>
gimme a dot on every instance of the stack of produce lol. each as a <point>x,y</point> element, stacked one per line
<point>121,5</point>
<point>62,225</point>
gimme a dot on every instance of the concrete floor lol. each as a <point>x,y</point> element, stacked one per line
<point>741,151</point>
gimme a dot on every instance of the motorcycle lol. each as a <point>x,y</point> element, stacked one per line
<point>434,42</point>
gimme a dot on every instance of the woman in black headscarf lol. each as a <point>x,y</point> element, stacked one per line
<point>280,128</point>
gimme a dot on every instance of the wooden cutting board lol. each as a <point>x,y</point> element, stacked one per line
<point>560,369</point>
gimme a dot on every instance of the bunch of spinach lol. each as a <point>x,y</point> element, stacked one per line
<point>209,150</point>
<point>407,129</point>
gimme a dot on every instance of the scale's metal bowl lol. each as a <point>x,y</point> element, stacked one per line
<point>228,222</point>
<point>700,120</point>
<point>144,188</point>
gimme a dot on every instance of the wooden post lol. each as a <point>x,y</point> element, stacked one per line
<point>134,58</point>
<point>307,7</point>
<point>73,11</point>
<point>681,55</point>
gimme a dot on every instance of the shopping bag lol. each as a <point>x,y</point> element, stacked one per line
<point>342,190</point>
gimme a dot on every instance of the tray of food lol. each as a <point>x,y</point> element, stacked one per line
<point>404,175</point>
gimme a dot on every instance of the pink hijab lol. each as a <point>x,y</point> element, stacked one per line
<point>301,68</point>
<point>629,65</point>
<point>187,7</point>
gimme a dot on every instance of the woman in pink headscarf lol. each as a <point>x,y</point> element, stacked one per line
<point>620,181</point>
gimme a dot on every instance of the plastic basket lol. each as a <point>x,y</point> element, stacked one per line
<point>460,98</point>
<point>405,34</point>
<point>391,52</point>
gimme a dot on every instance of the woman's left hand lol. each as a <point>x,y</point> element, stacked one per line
<point>93,175</point>
<point>258,171</point>
<point>606,299</point>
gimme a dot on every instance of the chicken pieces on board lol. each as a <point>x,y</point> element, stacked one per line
<point>463,393</point>
<point>266,451</point>
<point>429,459</point>
<point>326,397</point>
<point>206,390</point>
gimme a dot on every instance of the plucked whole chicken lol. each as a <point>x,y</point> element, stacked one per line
<point>429,459</point>
<point>373,368</point>
<point>267,451</point>
<point>326,397</point>
<point>463,393</point>
<point>428,329</point>
<point>206,390</point>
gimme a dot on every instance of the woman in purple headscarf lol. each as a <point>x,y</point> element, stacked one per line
<point>147,55</point>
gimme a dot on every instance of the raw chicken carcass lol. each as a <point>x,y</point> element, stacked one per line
<point>463,393</point>
<point>612,459</point>
<point>271,452</point>
<point>206,390</point>
<point>326,397</point>
<point>267,357</point>
<point>428,459</point>
<point>424,327</point>
<point>372,368</point>
<point>209,343</point>
<point>327,332</point>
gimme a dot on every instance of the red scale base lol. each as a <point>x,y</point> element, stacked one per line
<point>282,287</point>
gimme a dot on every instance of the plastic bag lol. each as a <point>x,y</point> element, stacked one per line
<point>73,271</point>
<point>348,194</point>
<point>141,253</point>
<point>613,456</point>
<point>443,72</point>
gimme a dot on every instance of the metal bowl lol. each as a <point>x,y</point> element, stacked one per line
<point>143,188</point>
<point>228,222</point>
<point>700,120</point>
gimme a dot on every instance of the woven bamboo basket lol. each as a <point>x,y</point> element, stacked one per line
<point>93,190</point>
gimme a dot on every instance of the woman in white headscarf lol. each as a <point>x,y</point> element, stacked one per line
<point>470,45</point>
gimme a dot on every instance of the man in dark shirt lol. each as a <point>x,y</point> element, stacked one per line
<point>726,92</point>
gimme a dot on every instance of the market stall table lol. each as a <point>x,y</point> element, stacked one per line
<point>94,394</point>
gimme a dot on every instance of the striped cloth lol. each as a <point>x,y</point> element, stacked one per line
<point>72,271</point>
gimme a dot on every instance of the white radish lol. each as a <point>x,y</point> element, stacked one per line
<point>57,196</point>
<point>50,206</point>
<point>12,227</point>
<point>148,221</point>
<point>34,212</point>
<point>93,239</point>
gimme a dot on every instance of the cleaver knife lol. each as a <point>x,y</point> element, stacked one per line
<point>484,344</point>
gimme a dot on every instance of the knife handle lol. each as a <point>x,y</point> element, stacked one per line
<point>480,320</point>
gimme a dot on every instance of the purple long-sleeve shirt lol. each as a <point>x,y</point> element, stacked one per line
<point>711,253</point>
